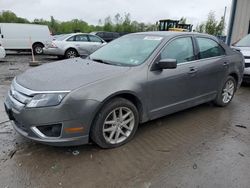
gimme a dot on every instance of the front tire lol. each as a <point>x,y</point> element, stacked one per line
<point>227,92</point>
<point>115,124</point>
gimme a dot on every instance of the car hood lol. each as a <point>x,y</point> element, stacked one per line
<point>67,75</point>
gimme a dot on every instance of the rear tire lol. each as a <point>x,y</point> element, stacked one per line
<point>226,93</point>
<point>115,124</point>
<point>38,49</point>
<point>71,53</point>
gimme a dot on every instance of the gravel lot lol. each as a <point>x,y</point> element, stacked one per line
<point>205,146</point>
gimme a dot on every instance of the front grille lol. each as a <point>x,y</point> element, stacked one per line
<point>19,96</point>
<point>247,57</point>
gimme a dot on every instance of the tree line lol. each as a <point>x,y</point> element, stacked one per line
<point>212,26</point>
<point>118,23</point>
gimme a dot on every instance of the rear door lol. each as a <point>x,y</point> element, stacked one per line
<point>82,44</point>
<point>212,66</point>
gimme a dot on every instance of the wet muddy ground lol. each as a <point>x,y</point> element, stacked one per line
<point>205,146</point>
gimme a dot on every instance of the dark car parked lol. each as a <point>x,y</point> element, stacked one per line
<point>134,79</point>
<point>107,36</point>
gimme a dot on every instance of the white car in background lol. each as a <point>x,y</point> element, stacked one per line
<point>74,45</point>
<point>244,47</point>
<point>2,52</point>
<point>23,37</point>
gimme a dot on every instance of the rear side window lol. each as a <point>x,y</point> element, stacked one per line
<point>94,39</point>
<point>81,38</point>
<point>71,38</point>
<point>180,49</point>
<point>209,48</point>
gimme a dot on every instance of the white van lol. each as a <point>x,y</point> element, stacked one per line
<point>19,37</point>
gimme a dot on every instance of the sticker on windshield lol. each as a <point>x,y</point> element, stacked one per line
<point>152,38</point>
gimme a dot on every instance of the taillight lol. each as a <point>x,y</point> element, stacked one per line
<point>53,45</point>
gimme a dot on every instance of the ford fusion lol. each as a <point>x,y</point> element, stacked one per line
<point>133,79</point>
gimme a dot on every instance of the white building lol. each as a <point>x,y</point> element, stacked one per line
<point>239,24</point>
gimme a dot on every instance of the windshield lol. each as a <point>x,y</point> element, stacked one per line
<point>130,50</point>
<point>245,42</point>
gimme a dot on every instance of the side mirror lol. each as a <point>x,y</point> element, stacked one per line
<point>167,64</point>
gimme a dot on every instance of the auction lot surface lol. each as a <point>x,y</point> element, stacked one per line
<point>205,146</point>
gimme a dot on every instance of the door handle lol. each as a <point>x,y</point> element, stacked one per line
<point>2,36</point>
<point>192,70</point>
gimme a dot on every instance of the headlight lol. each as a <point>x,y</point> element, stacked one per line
<point>42,100</point>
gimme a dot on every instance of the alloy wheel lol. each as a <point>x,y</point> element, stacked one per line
<point>228,91</point>
<point>118,125</point>
<point>71,54</point>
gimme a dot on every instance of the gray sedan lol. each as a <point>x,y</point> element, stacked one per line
<point>134,79</point>
<point>73,45</point>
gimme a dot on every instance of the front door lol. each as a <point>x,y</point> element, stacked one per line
<point>173,89</point>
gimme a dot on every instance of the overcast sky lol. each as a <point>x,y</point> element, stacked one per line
<point>148,11</point>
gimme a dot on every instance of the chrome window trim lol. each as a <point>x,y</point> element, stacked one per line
<point>30,92</point>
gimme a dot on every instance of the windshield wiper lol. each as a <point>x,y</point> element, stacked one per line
<point>101,61</point>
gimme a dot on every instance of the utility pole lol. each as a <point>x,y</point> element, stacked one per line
<point>225,12</point>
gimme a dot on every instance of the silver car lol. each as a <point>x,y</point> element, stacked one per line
<point>244,47</point>
<point>74,45</point>
<point>131,80</point>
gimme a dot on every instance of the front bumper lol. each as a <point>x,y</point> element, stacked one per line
<point>53,51</point>
<point>78,114</point>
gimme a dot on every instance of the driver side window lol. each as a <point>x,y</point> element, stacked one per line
<point>180,49</point>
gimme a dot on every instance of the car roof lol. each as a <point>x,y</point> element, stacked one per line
<point>172,34</point>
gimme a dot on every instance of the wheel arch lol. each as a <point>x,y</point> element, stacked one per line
<point>130,96</point>
<point>236,77</point>
<point>71,48</point>
<point>35,43</point>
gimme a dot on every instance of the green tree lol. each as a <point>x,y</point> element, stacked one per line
<point>211,24</point>
<point>200,28</point>
<point>108,25</point>
<point>121,23</point>
<point>220,27</point>
<point>10,17</point>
